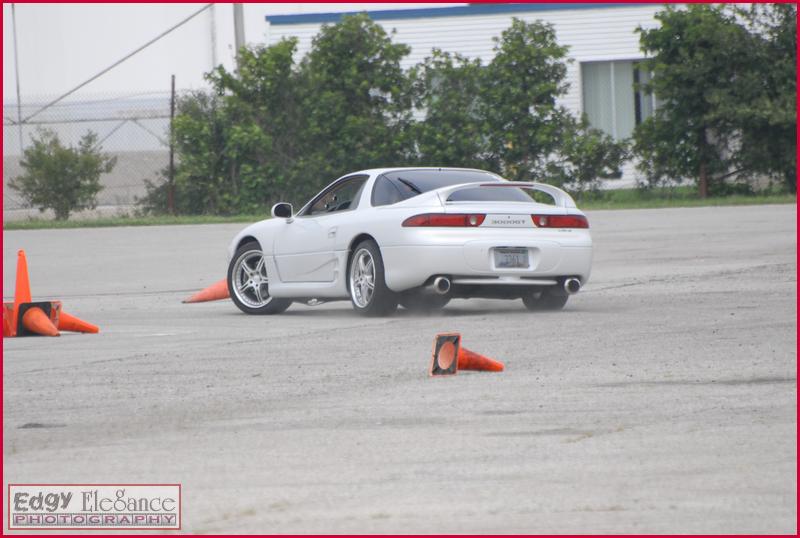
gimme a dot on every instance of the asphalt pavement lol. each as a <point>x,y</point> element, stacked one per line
<point>663,399</point>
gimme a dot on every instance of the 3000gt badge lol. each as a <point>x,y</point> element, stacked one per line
<point>508,221</point>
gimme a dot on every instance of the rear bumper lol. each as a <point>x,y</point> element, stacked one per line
<point>408,267</point>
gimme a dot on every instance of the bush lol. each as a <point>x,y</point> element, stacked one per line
<point>279,130</point>
<point>725,79</point>
<point>588,156</point>
<point>64,179</point>
<point>447,89</point>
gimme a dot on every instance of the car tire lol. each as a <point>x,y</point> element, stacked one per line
<point>248,283</point>
<point>547,299</point>
<point>420,303</point>
<point>366,284</point>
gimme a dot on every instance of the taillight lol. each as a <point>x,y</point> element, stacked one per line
<point>560,221</point>
<point>470,220</point>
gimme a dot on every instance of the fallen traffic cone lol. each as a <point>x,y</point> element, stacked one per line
<point>469,360</point>
<point>67,322</point>
<point>44,318</point>
<point>445,354</point>
<point>449,356</point>
<point>35,320</point>
<point>214,292</point>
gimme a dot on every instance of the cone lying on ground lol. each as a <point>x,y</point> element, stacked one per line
<point>67,322</point>
<point>24,317</point>
<point>449,357</point>
<point>469,360</point>
<point>214,292</point>
<point>36,321</point>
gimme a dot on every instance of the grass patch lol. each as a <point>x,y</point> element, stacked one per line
<point>678,197</point>
<point>104,222</point>
<point>612,199</point>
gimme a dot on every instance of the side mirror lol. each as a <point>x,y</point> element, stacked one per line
<point>282,210</point>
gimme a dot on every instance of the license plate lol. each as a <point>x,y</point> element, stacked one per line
<point>511,258</point>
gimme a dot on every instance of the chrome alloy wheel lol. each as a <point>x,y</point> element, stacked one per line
<point>250,281</point>
<point>362,278</point>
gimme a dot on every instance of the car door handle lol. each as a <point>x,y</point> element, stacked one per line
<point>332,232</point>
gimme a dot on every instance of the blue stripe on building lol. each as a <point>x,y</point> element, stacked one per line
<point>424,13</point>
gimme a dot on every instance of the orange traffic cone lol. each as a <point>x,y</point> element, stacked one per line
<point>469,360</point>
<point>22,291</point>
<point>449,356</point>
<point>445,354</point>
<point>67,322</point>
<point>8,315</point>
<point>36,321</point>
<point>214,292</point>
<point>25,318</point>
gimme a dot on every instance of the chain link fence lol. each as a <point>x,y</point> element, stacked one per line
<point>133,127</point>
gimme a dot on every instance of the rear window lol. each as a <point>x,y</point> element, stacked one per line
<point>393,187</point>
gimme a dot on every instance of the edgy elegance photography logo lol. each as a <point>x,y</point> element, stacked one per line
<point>94,506</point>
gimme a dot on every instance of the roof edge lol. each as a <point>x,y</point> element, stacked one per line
<point>450,11</point>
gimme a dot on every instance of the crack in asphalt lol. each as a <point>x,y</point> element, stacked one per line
<point>692,278</point>
<point>703,382</point>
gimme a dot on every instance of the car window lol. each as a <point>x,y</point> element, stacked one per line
<point>343,196</point>
<point>393,187</point>
<point>387,192</point>
<point>491,195</point>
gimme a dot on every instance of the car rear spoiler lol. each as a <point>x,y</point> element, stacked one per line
<point>561,198</point>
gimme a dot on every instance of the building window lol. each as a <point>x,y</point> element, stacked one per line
<point>609,99</point>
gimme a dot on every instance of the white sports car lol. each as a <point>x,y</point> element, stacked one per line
<point>416,237</point>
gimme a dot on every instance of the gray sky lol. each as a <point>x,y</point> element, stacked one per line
<point>61,45</point>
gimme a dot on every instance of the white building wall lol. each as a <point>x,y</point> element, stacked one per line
<point>592,34</point>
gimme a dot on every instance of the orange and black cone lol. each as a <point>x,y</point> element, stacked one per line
<point>26,318</point>
<point>449,357</point>
<point>214,292</point>
<point>445,354</point>
<point>36,321</point>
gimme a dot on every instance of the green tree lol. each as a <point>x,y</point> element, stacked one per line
<point>523,121</point>
<point>587,156</point>
<point>726,97</point>
<point>200,134</point>
<point>530,135</point>
<point>264,143</point>
<point>281,130</point>
<point>447,90</point>
<point>689,61</point>
<point>239,146</point>
<point>357,100</point>
<point>61,178</point>
<point>763,103</point>
<point>277,130</point>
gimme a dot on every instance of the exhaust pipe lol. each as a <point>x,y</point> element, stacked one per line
<point>572,285</point>
<point>440,285</point>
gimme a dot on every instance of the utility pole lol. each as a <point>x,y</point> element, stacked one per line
<point>212,16</point>
<point>171,185</point>
<point>16,74</point>
<point>238,29</point>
